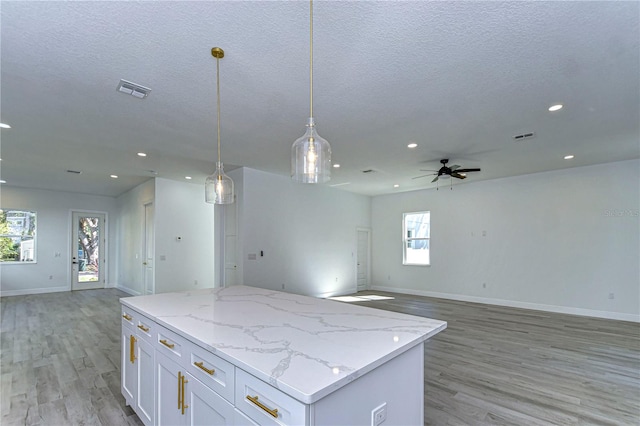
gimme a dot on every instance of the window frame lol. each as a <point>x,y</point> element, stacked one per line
<point>406,239</point>
<point>24,236</point>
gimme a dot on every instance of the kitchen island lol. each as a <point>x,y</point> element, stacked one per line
<point>245,355</point>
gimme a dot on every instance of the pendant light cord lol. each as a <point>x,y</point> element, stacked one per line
<point>311,59</point>
<point>218,90</point>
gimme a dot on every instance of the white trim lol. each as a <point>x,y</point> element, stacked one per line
<point>516,304</point>
<point>33,291</point>
<point>127,290</point>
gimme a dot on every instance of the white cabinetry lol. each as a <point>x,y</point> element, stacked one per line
<point>138,359</point>
<point>169,378</point>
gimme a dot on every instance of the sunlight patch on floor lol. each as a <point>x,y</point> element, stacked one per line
<point>366,298</point>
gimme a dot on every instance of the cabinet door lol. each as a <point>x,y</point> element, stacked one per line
<point>168,392</point>
<point>128,367</point>
<point>206,407</point>
<point>145,398</point>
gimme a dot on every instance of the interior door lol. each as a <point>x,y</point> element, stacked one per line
<point>88,260</point>
<point>230,245</point>
<point>362,259</point>
<point>148,249</point>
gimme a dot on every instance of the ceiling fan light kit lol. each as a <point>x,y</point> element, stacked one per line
<point>311,154</point>
<point>218,188</point>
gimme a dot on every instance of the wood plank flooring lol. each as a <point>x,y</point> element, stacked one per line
<point>506,366</point>
<point>60,363</point>
<point>60,360</point>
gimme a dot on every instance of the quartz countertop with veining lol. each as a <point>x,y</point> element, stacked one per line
<point>304,346</point>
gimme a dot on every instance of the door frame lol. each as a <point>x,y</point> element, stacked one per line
<point>368,231</point>
<point>145,269</point>
<point>72,245</point>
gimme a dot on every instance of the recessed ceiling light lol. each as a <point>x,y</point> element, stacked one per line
<point>568,157</point>
<point>142,154</point>
<point>187,177</point>
<point>556,107</point>
<point>4,126</point>
<point>114,176</point>
<point>412,145</point>
<point>396,186</point>
<point>336,166</point>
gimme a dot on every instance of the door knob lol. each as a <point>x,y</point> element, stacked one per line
<point>144,263</point>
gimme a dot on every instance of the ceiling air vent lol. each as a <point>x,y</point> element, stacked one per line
<point>74,172</point>
<point>133,89</point>
<point>523,136</point>
<point>368,171</point>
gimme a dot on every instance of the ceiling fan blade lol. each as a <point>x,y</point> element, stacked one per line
<point>418,177</point>
<point>435,179</point>
<point>427,170</point>
<point>467,170</point>
<point>454,167</point>
<point>458,175</point>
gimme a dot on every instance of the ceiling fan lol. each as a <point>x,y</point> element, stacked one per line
<point>453,171</point>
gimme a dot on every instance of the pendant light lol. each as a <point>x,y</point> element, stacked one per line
<point>218,188</point>
<point>311,154</point>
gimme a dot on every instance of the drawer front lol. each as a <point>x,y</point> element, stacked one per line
<point>267,405</point>
<point>128,317</point>
<point>169,343</point>
<point>212,370</point>
<point>146,328</point>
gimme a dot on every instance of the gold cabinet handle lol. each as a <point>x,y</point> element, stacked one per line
<point>143,328</point>
<point>201,366</point>
<point>167,344</point>
<point>184,380</point>
<point>127,317</point>
<point>179,391</point>
<point>132,350</point>
<point>272,411</point>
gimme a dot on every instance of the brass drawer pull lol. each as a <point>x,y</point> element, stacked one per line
<point>143,328</point>
<point>167,344</point>
<point>254,399</point>
<point>181,381</point>
<point>179,391</point>
<point>127,317</point>
<point>132,350</point>
<point>201,366</point>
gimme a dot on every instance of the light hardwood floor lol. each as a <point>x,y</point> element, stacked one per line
<point>60,363</point>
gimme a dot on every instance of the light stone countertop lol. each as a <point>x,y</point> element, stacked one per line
<point>304,346</point>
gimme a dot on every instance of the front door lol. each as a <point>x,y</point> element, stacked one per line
<point>88,261</point>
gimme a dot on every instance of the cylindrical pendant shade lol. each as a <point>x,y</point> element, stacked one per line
<point>311,157</point>
<point>218,188</point>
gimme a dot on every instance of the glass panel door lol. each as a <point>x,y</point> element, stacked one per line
<point>87,259</point>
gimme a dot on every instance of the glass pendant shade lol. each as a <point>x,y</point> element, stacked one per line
<point>218,188</point>
<point>311,157</point>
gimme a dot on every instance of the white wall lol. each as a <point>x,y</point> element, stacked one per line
<point>130,236</point>
<point>53,234</point>
<point>182,212</point>
<point>307,234</point>
<point>179,211</point>
<point>560,241</point>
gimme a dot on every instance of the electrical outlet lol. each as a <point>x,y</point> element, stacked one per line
<point>379,414</point>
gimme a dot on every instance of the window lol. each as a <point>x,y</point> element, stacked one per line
<point>17,236</point>
<point>415,240</point>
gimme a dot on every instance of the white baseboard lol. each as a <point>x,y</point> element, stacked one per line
<point>24,292</point>
<point>515,304</point>
<point>127,290</point>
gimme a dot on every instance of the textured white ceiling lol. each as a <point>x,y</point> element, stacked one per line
<point>458,78</point>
